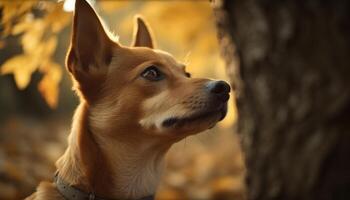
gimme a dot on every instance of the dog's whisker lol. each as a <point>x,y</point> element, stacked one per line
<point>187,58</point>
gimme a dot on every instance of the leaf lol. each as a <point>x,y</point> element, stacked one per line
<point>21,27</point>
<point>48,86</point>
<point>11,11</point>
<point>56,12</point>
<point>50,45</point>
<point>22,67</point>
<point>39,42</point>
<point>45,49</point>
<point>32,37</point>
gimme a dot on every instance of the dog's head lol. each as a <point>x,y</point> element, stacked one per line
<point>139,89</point>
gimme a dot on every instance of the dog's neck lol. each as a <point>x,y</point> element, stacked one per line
<point>108,167</point>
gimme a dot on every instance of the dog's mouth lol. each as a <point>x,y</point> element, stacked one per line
<point>204,115</point>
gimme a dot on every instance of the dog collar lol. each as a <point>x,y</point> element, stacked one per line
<point>73,193</point>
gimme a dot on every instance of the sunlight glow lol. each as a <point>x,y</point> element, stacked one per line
<point>68,5</point>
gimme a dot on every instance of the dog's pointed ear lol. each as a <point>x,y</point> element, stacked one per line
<point>142,34</point>
<point>91,48</point>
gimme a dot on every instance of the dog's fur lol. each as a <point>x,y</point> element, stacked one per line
<point>118,137</point>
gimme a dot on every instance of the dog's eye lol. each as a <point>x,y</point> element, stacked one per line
<point>152,73</point>
<point>188,74</point>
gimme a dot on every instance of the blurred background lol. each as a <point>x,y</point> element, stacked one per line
<point>37,103</point>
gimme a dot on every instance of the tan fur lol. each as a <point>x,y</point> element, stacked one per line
<point>117,141</point>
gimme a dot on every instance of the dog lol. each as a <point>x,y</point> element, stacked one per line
<point>135,102</point>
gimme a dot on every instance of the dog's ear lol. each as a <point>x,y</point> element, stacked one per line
<point>142,34</point>
<point>90,51</point>
<point>91,48</point>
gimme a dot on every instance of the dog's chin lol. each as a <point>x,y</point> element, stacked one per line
<point>196,121</point>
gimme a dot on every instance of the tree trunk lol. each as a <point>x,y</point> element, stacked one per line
<point>293,94</point>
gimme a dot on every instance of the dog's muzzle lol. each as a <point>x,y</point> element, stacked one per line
<point>217,97</point>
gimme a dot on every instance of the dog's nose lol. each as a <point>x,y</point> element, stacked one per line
<point>220,89</point>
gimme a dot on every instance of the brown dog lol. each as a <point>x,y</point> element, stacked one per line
<point>135,103</point>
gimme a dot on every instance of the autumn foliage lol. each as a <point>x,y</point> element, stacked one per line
<point>38,38</point>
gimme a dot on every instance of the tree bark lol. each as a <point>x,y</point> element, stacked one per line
<point>289,63</point>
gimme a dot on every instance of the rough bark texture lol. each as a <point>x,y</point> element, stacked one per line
<point>293,94</point>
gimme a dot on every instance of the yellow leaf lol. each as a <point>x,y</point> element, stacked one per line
<point>20,27</point>
<point>11,11</point>
<point>48,86</point>
<point>22,67</point>
<point>44,49</point>
<point>32,37</point>
<point>56,12</point>
<point>22,79</point>
<point>50,45</point>
<point>43,53</point>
